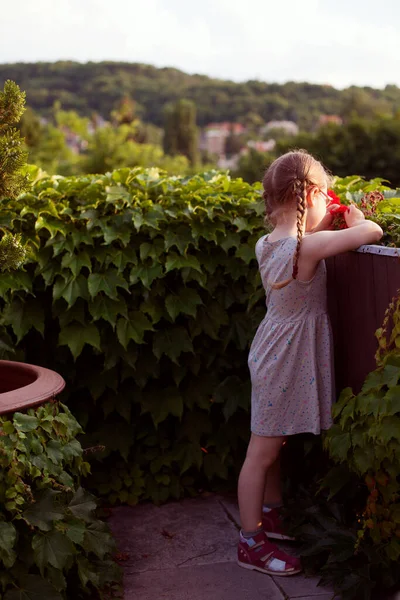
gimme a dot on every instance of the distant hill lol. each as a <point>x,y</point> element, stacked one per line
<point>96,87</point>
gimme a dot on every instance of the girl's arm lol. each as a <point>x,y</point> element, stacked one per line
<point>323,244</point>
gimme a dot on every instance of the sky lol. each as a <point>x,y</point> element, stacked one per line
<point>335,42</point>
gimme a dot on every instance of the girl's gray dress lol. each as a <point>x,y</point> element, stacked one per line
<point>291,356</point>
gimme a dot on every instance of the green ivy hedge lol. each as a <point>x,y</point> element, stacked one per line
<point>52,545</point>
<point>143,292</point>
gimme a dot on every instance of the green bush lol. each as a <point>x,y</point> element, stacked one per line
<point>143,292</point>
<point>52,545</point>
<point>348,512</point>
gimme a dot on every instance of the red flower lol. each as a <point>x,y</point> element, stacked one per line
<point>334,199</point>
<point>338,211</point>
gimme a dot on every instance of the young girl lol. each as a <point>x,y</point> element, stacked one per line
<point>291,357</point>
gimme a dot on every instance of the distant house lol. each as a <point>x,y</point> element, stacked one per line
<point>289,127</point>
<point>261,146</point>
<point>214,135</point>
<point>325,119</point>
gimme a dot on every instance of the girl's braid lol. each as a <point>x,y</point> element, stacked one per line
<point>299,189</point>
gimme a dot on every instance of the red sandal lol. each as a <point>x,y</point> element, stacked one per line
<point>273,525</point>
<point>259,554</point>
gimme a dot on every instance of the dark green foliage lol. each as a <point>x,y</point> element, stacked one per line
<point>368,147</point>
<point>180,130</point>
<point>12,180</point>
<point>12,156</point>
<point>144,294</point>
<point>99,86</point>
<point>52,545</point>
<point>348,513</point>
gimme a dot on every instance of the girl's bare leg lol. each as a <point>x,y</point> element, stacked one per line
<point>261,455</point>
<point>273,485</point>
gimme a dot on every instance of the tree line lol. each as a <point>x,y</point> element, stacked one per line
<point>97,87</point>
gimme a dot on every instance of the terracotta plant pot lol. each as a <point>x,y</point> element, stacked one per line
<point>23,385</point>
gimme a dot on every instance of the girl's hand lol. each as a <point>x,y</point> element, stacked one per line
<point>326,223</point>
<point>353,216</point>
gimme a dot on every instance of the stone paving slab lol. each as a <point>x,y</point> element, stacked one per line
<point>323,597</point>
<point>303,587</point>
<point>186,550</point>
<point>189,532</point>
<point>224,581</point>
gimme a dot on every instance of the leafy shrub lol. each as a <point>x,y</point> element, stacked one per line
<point>52,545</point>
<point>349,518</point>
<point>143,293</point>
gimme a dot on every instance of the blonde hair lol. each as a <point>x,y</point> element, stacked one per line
<point>287,180</point>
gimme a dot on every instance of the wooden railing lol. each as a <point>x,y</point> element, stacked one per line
<point>361,286</point>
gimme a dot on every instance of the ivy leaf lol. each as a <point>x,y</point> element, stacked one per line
<point>133,328</point>
<point>75,530</point>
<point>122,258</point>
<point>339,446</point>
<point>8,537</point>
<point>107,282</point>
<point>54,451</point>
<point>81,237</point>
<point>25,422</point>
<point>75,313</point>
<point>172,342</point>
<point>389,376</point>
<point>242,224</point>
<point>153,307</point>
<point>33,587</point>
<point>103,307</point>
<point>246,253</point>
<point>112,233</point>
<point>153,249</point>
<point>42,513</point>
<point>56,578</point>
<point>184,301</point>
<point>152,217</point>
<point>76,262</point>
<point>166,402</point>
<point>82,505</point>
<point>389,429</point>
<point>15,281</point>
<point>175,261</point>
<point>52,548</point>
<point>207,230</point>
<point>53,226</point>
<point>231,240</point>
<point>86,572</point>
<point>98,540</point>
<point>146,274</point>
<point>23,315</point>
<point>180,237</point>
<point>393,398</point>
<point>364,458</point>
<point>118,192</point>
<point>76,335</point>
<point>71,289</point>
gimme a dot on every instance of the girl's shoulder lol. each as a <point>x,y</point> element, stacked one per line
<point>265,246</point>
<point>259,245</point>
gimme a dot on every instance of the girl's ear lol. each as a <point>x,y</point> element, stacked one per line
<point>311,193</point>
